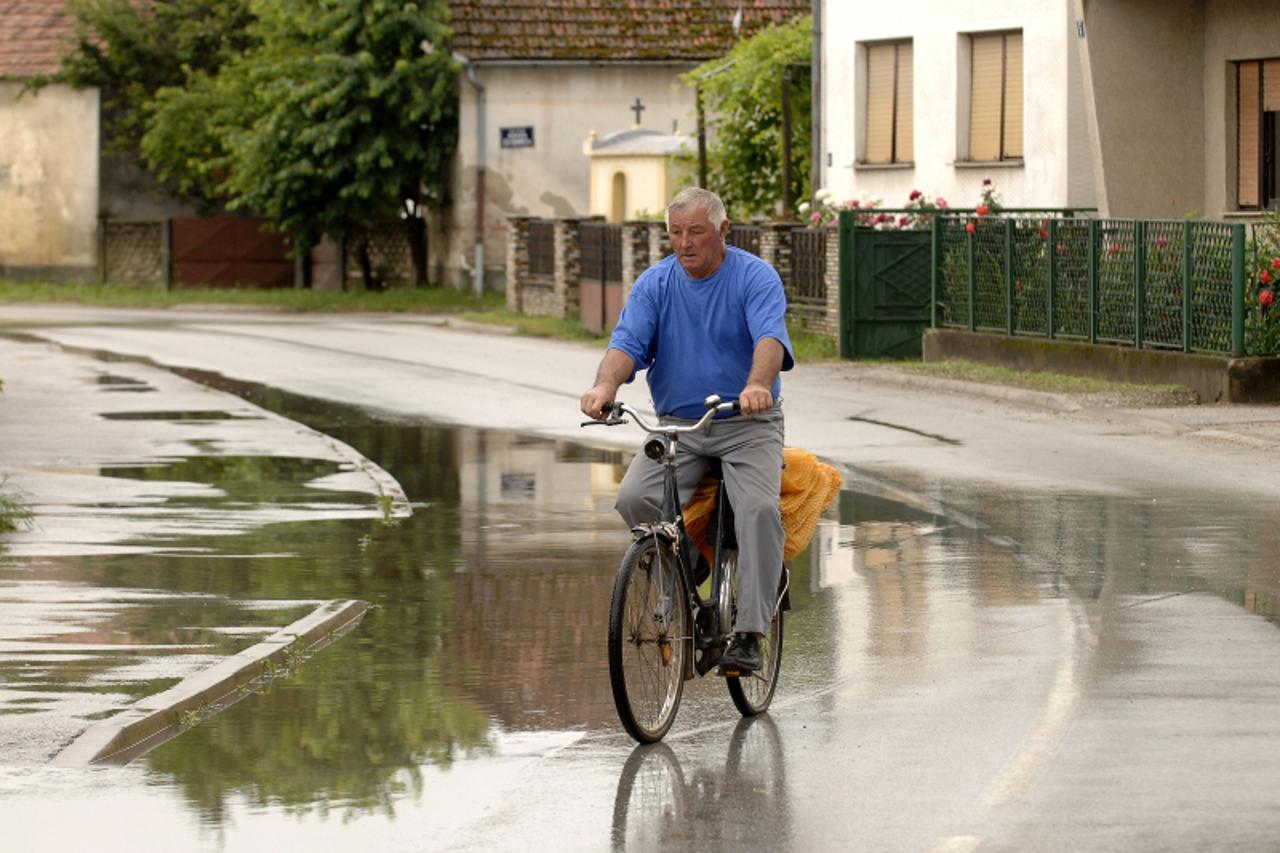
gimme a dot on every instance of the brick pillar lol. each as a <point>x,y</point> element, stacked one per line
<point>635,254</point>
<point>568,266</point>
<point>659,242</point>
<point>831,321</point>
<point>517,261</point>
<point>775,247</point>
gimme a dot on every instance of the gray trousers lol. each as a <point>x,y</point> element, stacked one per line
<point>750,452</point>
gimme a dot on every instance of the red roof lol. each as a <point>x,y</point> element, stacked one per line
<point>604,30</point>
<point>33,36</point>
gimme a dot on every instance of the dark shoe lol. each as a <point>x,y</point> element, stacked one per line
<point>742,656</point>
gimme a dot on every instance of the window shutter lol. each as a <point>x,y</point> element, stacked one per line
<point>1248,132</point>
<point>880,64</point>
<point>1270,85</point>
<point>1013,95</point>
<point>905,121</point>
<point>984,97</point>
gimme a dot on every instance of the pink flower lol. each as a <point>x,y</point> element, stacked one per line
<point>982,210</point>
<point>854,204</point>
<point>970,227</point>
<point>1265,298</point>
<point>941,202</point>
<point>815,217</point>
<point>1161,243</point>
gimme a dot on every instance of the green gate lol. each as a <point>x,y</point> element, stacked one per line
<point>885,290</point>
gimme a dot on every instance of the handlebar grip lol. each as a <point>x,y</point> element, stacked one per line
<point>608,407</point>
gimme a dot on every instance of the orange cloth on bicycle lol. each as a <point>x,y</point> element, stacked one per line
<point>808,487</point>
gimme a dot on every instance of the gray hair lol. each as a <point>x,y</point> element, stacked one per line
<point>699,198</point>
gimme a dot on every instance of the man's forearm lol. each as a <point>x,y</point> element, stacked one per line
<point>766,362</point>
<point>615,368</point>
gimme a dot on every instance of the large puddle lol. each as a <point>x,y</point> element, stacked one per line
<point>490,605</point>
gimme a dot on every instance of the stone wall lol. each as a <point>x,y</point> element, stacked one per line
<point>643,244</point>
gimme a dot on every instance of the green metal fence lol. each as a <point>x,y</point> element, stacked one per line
<point>1144,283</point>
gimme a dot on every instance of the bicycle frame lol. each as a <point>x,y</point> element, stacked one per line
<point>707,634</point>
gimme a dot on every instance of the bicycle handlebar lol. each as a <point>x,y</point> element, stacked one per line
<point>617,409</point>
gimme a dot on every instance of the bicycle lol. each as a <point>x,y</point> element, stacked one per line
<point>662,631</point>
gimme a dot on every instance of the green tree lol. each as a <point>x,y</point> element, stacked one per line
<point>353,108</point>
<point>132,50</point>
<point>743,96</point>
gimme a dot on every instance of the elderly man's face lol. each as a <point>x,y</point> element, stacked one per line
<point>696,243</point>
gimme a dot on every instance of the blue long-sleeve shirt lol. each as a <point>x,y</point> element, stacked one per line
<point>698,336</point>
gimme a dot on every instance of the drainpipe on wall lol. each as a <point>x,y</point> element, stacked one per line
<point>478,263</point>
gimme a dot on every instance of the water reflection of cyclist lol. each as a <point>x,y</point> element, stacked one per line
<point>710,319</point>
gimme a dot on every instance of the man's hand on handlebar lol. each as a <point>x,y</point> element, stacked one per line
<point>755,399</point>
<point>596,399</point>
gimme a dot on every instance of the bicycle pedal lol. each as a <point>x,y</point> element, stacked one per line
<point>729,673</point>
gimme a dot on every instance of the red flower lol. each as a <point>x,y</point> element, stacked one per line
<point>1017,287</point>
<point>903,222</point>
<point>1264,277</point>
<point>1275,263</point>
<point>915,194</point>
<point>1265,298</point>
<point>970,227</point>
<point>982,210</point>
<point>1062,248</point>
<point>1115,249</point>
<point>986,182</point>
<point>1044,233</point>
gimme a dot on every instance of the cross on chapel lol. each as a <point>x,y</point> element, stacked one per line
<point>637,108</point>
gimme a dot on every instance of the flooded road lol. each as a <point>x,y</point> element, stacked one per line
<point>964,668</point>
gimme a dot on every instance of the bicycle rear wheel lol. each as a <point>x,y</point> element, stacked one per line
<point>753,693</point>
<point>648,639</point>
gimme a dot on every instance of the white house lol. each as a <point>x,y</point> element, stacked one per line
<point>1140,108</point>
<point>540,75</point>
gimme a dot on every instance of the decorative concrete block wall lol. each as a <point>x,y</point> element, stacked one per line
<point>517,261</point>
<point>635,254</point>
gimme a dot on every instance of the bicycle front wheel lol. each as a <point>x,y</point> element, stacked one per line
<point>648,639</point>
<point>753,693</point>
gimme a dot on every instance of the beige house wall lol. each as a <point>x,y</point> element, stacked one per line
<point>1146,60</point>
<point>562,103</point>
<point>1234,30</point>
<point>48,182</point>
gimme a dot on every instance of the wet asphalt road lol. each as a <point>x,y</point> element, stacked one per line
<point>1054,631</point>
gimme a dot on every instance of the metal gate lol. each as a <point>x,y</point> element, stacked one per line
<point>223,251</point>
<point>600,276</point>
<point>885,284</point>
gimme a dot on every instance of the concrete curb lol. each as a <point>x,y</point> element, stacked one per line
<point>157,719</point>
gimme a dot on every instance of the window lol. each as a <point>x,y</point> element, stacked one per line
<point>1257,112</point>
<point>888,122</point>
<point>995,96</point>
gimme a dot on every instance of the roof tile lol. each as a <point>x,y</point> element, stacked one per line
<point>602,30</point>
<point>33,36</point>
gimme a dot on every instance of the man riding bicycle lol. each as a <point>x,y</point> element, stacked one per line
<point>710,319</point>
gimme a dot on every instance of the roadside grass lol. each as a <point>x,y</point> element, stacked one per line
<point>420,300</point>
<point>1042,380</point>
<point>14,515</point>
